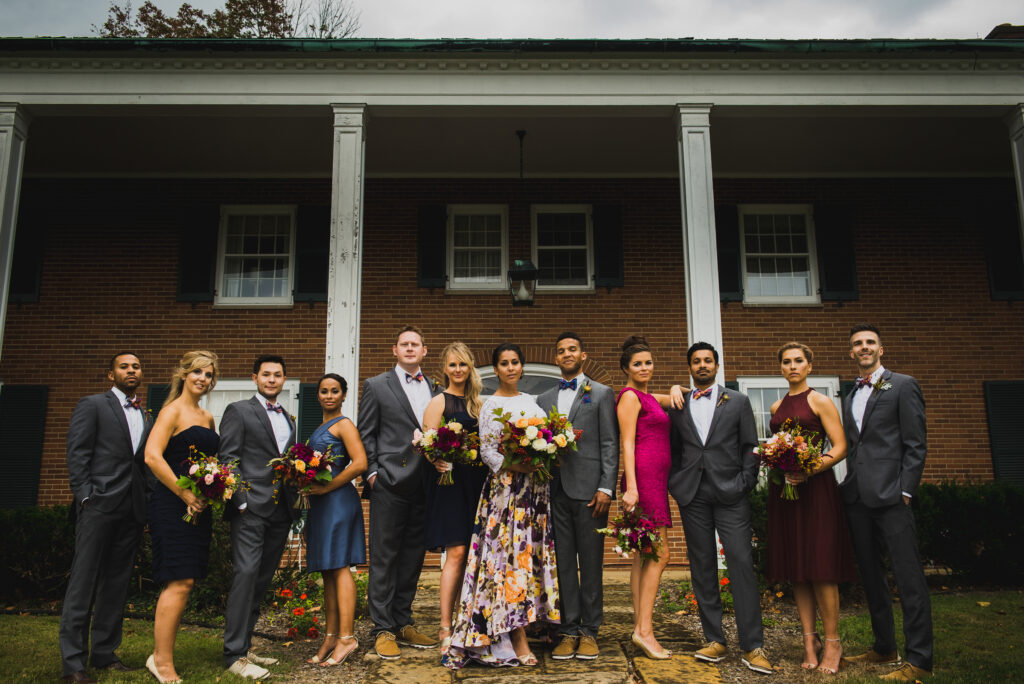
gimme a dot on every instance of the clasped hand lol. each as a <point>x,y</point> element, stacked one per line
<point>194,504</point>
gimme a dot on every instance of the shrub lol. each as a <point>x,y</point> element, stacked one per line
<point>759,528</point>
<point>39,545</point>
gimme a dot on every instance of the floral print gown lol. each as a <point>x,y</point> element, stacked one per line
<point>511,577</point>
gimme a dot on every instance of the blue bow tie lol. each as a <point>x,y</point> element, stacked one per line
<point>567,384</point>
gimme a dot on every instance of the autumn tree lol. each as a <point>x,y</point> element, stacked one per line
<point>237,19</point>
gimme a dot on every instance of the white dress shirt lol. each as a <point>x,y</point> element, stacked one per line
<point>418,393</point>
<point>567,396</point>
<point>861,396</point>
<point>703,411</point>
<point>136,422</point>
<point>279,421</point>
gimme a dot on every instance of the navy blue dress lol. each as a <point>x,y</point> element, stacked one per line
<point>334,529</point>
<point>451,509</point>
<point>181,550</point>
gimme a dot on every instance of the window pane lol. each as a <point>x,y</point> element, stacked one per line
<point>477,266</point>
<point>477,230</point>
<point>562,229</point>
<point>257,250</point>
<point>562,267</point>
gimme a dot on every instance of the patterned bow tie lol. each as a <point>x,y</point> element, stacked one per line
<point>133,403</point>
<point>706,392</point>
<point>410,377</point>
<point>276,408</point>
<point>567,384</point>
<point>862,382</point>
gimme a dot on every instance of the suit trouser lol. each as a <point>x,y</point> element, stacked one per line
<point>105,547</point>
<point>892,528</point>
<point>256,547</point>
<point>397,533</point>
<point>577,545</point>
<point>701,518</point>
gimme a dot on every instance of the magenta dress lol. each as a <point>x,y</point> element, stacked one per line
<point>808,540</point>
<point>653,458</point>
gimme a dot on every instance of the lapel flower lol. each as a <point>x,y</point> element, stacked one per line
<point>724,397</point>
<point>882,385</point>
<point>435,386</point>
<point>585,397</point>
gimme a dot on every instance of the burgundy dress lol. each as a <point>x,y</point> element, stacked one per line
<point>808,540</point>
<point>653,458</point>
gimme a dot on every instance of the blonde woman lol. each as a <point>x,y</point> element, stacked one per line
<point>181,550</point>
<point>451,509</point>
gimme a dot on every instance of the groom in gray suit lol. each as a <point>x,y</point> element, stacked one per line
<point>886,432</point>
<point>105,445</point>
<point>253,431</point>
<point>714,467</point>
<point>581,492</point>
<point>390,410</point>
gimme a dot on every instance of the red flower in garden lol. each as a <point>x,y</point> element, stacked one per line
<point>292,633</point>
<point>313,633</point>
<point>302,597</point>
<point>724,581</point>
<point>316,621</point>
<point>286,593</point>
<point>300,611</point>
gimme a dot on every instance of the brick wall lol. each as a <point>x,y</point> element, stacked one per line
<point>112,252</point>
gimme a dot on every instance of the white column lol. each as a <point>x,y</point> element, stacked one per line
<point>14,123</point>
<point>346,256</point>
<point>700,252</point>
<point>1015,122</point>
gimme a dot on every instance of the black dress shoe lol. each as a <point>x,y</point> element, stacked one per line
<point>117,666</point>
<point>80,677</point>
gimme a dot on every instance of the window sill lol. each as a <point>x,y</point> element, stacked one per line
<point>785,303</point>
<point>253,304</point>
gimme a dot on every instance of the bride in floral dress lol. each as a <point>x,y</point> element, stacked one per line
<point>511,578</point>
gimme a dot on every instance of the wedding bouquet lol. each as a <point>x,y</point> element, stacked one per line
<point>536,441</point>
<point>634,532</point>
<point>302,466</point>
<point>450,443</point>
<point>789,451</point>
<point>208,479</point>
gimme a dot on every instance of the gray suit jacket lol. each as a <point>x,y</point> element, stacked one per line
<point>727,461</point>
<point>886,458</point>
<point>386,423</point>
<point>101,464</point>
<point>246,435</point>
<point>595,463</point>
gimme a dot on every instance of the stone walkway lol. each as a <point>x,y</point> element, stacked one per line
<point>620,661</point>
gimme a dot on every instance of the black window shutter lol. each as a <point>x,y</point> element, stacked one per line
<point>27,265</point>
<point>310,413</point>
<point>837,263</point>
<point>608,269</point>
<point>727,239</point>
<point>845,387</point>
<point>431,256</point>
<point>1003,399</point>
<point>155,396</point>
<point>1003,251</point>
<point>312,251</point>
<point>22,426</point>
<point>733,385</point>
<point>199,232</point>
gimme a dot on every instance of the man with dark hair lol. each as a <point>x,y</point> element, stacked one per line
<point>390,410</point>
<point>714,467</point>
<point>581,491</point>
<point>886,432</point>
<point>106,442</point>
<point>253,431</point>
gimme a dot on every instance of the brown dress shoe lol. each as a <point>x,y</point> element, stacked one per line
<point>566,648</point>
<point>587,650</point>
<point>386,647</point>
<point>79,677</point>
<point>907,673</point>
<point>410,636</point>
<point>116,666</point>
<point>873,657</point>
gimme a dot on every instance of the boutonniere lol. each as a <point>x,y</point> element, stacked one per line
<point>882,385</point>
<point>723,397</point>
<point>147,414</point>
<point>435,386</point>
<point>294,418</point>
<point>585,396</point>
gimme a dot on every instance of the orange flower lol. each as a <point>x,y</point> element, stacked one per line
<point>534,421</point>
<point>302,597</point>
<point>724,581</point>
<point>286,593</point>
<point>522,423</point>
<point>299,612</point>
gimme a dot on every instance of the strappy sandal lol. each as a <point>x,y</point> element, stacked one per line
<point>331,662</point>
<point>446,641</point>
<point>817,650</point>
<point>316,657</point>
<point>529,660</point>
<point>842,663</point>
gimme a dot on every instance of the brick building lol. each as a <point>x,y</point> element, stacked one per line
<point>310,197</point>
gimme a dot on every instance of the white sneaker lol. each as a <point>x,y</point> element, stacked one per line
<point>260,660</point>
<point>243,668</point>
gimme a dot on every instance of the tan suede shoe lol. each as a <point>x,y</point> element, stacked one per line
<point>566,648</point>
<point>907,673</point>
<point>386,647</point>
<point>712,652</point>
<point>587,650</point>
<point>410,636</point>
<point>757,661</point>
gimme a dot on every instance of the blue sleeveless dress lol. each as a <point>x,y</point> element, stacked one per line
<point>334,530</point>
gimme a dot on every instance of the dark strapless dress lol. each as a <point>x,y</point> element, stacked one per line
<point>181,550</point>
<point>451,509</point>
<point>808,540</point>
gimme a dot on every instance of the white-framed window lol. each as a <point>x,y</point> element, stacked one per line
<point>763,391</point>
<point>255,255</point>
<point>778,255</point>
<point>230,391</point>
<point>477,247</point>
<point>537,379</point>
<point>563,240</point>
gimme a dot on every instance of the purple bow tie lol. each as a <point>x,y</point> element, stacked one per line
<point>862,382</point>
<point>567,384</point>
<point>275,408</point>
<point>409,377</point>
<point>133,403</point>
<point>706,392</point>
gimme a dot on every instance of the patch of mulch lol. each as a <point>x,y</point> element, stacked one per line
<point>296,651</point>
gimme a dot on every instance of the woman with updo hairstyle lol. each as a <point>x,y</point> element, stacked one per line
<point>511,579</point>
<point>334,531</point>
<point>647,458</point>
<point>808,540</point>
<point>181,550</point>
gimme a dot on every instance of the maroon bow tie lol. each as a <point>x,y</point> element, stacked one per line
<point>862,382</point>
<point>133,403</point>
<point>409,377</point>
<point>706,392</point>
<point>275,408</point>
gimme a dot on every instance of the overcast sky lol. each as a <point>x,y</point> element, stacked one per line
<point>595,18</point>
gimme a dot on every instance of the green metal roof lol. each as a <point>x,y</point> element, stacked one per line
<point>663,47</point>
